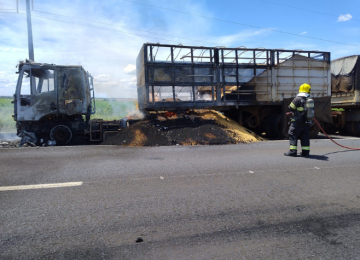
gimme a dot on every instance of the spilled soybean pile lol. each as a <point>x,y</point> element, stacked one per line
<point>197,127</point>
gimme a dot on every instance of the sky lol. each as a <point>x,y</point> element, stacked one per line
<point>105,37</point>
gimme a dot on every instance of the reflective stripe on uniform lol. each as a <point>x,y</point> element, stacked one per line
<point>306,148</point>
<point>300,109</point>
<point>292,105</point>
<point>293,147</point>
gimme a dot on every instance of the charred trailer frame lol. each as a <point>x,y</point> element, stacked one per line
<point>252,86</point>
<point>53,102</point>
<point>345,98</point>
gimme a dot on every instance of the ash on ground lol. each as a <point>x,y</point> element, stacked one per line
<point>9,144</point>
<point>11,140</point>
<point>200,127</point>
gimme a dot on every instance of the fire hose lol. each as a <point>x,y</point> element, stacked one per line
<point>322,130</point>
<point>332,139</point>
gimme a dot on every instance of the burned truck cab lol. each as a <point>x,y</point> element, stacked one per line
<point>53,102</point>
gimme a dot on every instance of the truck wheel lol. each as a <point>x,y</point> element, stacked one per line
<point>314,131</point>
<point>353,128</point>
<point>258,130</point>
<point>356,127</point>
<point>329,128</point>
<point>61,134</point>
<point>273,126</point>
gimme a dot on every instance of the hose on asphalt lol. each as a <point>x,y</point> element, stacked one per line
<point>332,139</point>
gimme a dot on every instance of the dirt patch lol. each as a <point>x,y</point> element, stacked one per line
<point>200,127</point>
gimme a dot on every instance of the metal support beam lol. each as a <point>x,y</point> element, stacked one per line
<point>30,37</point>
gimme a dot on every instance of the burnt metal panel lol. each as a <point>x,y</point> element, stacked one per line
<point>176,76</point>
<point>40,100</point>
<point>345,82</point>
<point>73,98</point>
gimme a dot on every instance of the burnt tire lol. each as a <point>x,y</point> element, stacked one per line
<point>258,130</point>
<point>61,134</point>
<point>314,130</point>
<point>353,128</point>
<point>356,128</point>
<point>329,128</point>
<point>273,126</point>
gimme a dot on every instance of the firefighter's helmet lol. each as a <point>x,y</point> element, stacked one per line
<point>305,88</point>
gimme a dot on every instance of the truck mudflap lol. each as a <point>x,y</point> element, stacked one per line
<point>322,111</point>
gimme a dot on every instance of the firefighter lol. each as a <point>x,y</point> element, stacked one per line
<point>299,127</point>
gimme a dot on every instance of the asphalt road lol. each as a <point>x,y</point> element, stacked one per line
<point>245,201</point>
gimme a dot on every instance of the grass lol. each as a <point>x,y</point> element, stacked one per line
<point>111,110</point>
<point>107,110</point>
<point>7,123</point>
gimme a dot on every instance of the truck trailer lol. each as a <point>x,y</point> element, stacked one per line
<point>252,86</point>
<point>345,96</point>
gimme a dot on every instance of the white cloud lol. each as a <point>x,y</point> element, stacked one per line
<point>233,40</point>
<point>108,87</point>
<point>130,69</point>
<point>344,17</point>
<point>110,53</point>
<point>303,33</point>
<point>102,78</point>
<point>2,49</point>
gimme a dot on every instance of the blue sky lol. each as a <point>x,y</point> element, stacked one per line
<point>110,52</point>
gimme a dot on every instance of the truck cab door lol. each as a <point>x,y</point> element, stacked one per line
<point>73,91</point>
<point>35,93</point>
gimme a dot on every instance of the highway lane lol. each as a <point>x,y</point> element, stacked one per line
<point>245,201</point>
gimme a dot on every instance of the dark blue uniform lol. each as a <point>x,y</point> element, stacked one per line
<point>299,127</point>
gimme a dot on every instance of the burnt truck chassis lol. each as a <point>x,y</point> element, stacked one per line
<point>215,80</point>
<point>55,103</point>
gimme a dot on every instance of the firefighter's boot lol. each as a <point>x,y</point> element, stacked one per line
<point>305,153</point>
<point>291,153</point>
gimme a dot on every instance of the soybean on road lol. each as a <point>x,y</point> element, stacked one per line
<point>245,201</point>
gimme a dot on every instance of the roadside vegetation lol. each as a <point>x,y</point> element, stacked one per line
<point>7,123</point>
<point>112,109</point>
<point>105,109</point>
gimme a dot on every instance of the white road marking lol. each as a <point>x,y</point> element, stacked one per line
<point>41,186</point>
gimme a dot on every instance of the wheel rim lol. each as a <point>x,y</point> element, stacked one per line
<point>61,134</point>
